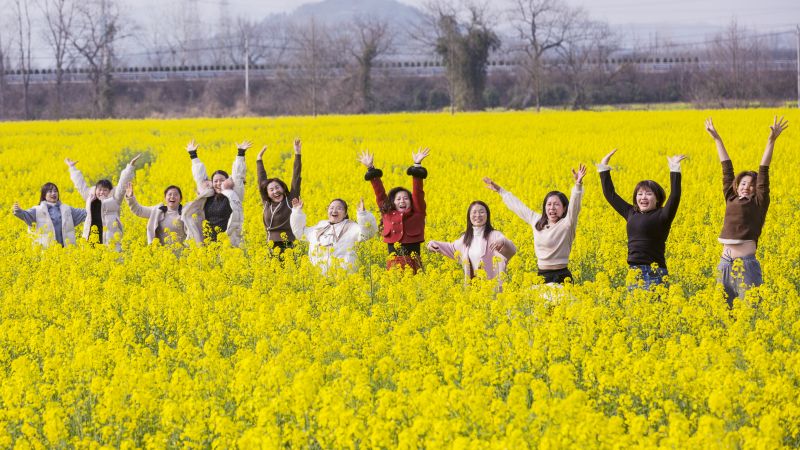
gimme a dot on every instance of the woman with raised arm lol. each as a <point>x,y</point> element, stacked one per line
<point>51,220</point>
<point>164,221</point>
<point>746,205</point>
<point>480,246</point>
<point>103,202</point>
<point>648,219</point>
<point>276,200</point>
<point>333,241</point>
<point>402,212</point>
<point>553,229</point>
<point>220,210</point>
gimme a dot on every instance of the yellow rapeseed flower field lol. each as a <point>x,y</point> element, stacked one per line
<point>227,347</point>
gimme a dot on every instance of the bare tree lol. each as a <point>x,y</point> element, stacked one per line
<point>739,57</point>
<point>542,26</point>
<point>23,22</point>
<point>371,37</point>
<point>464,38</point>
<point>97,29</point>
<point>58,15</point>
<point>317,55</point>
<point>583,56</point>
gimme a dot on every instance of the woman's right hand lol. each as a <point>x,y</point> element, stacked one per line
<point>129,190</point>
<point>16,209</point>
<point>711,130</point>
<point>366,158</point>
<point>606,159</point>
<point>433,246</point>
<point>491,184</point>
<point>191,146</point>
<point>70,162</point>
<point>261,153</point>
<point>297,203</point>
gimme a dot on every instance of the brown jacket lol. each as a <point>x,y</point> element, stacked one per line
<point>744,217</point>
<point>276,215</point>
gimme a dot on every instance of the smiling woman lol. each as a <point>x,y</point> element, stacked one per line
<point>276,198</point>
<point>648,222</point>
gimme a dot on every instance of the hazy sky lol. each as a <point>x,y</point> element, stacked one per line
<point>762,14</point>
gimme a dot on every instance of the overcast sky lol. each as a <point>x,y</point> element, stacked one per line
<point>761,14</point>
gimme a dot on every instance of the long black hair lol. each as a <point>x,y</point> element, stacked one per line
<point>47,187</point>
<point>542,222</point>
<point>487,229</point>
<point>263,188</point>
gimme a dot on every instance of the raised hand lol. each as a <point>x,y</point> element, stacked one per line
<point>711,130</point>
<point>70,162</point>
<point>491,184</point>
<point>361,207</point>
<point>675,160</point>
<point>777,127</point>
<point>191,146</point>
<point>261,153</point>
<point>606,159</point>
<point>420,155</point>
<point>366,158</point>
<point>297,146</point>
<point>579,174</point>
<point>135,158</point>
<point>244,145</point>
<point>297,203</point>
<point>16,209</point>
<point>129,190</point>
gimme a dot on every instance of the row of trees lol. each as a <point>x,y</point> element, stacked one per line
<point>561,52</point>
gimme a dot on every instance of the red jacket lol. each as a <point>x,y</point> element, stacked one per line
<point>407,227</point>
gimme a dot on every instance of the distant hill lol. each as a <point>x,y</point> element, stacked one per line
<point>337,11</point>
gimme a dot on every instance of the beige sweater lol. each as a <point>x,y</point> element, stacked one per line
<point>554,242</point>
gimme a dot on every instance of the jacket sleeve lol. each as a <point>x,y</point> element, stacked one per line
<point>191,216</point>
<point>124,178</point>
<point>261,178</point>
<point>447,249</point>
<point>137,209</point>
<point>727,180</point>
<point>297,220</point>
<point>80,183</point>
<point>380,191</point>
<point>575,204</point>
<point>762,185</point>
<point>620,206</point>
<point>238,173</point>
<point>509,249</point>
<point>520,209</point>
<point>294,191</point>
<point>674,200</point>
<point>418,195</point>
<point>78,215</point>
<point>199,173</point>
<point>367,225</point>
<point>27,215</point>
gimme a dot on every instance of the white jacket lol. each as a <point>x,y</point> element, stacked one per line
<point>193,216</point>
<point>109,207</point>
<point>194,220</point>
<point>333,243</point>
<point>41,227</point>
<point>154,216</point>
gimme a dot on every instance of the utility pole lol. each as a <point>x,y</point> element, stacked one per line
<point>798,66</point>
<point>247,72</point>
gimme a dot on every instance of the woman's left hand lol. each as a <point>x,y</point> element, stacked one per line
<point>421,154</point>
<point>497,246</point>
<point>579,174</point>
<point>777,127</point>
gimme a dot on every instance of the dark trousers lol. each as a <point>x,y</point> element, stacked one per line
<point>556,276</point>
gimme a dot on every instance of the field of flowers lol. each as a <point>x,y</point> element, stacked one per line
<point>223,347</point>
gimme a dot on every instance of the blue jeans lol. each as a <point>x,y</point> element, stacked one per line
<point>649,276</point>
<point>738,280</point>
